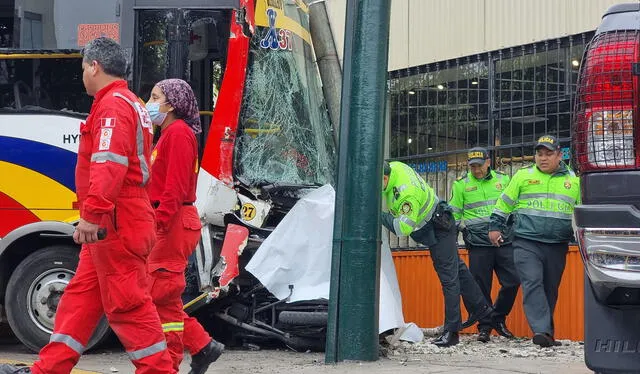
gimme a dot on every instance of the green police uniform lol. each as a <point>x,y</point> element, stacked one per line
<point>543,208</point>
<point>410,199</point>
<point>413,204</point>
<point>542,204</point>
<point>473,200</point>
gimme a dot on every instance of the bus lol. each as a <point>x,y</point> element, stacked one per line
<point>266,140</point>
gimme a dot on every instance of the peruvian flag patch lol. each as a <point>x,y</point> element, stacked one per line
<point>108,122</point>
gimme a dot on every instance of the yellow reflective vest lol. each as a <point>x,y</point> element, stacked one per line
<point>473,201</point>
<point>542,204</point>
<point>409,198</point>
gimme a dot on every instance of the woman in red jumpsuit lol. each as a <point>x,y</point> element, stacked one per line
<point>174,168</point>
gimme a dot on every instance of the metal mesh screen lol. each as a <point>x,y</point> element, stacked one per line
<point>605,102</point>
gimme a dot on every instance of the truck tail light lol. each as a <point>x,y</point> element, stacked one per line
<point>606,118</point>
<point>610,249</point>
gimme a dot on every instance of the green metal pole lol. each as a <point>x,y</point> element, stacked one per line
<point>352,332</point>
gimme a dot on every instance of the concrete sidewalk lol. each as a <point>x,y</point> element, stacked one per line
<point>270,362</point>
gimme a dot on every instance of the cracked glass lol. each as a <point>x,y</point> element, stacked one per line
<point>284,135</point>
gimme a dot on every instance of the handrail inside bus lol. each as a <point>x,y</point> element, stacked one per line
<point>12,54</point>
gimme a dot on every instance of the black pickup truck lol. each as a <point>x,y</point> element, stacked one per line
<point>606,141</point>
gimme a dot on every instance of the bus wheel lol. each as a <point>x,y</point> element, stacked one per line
<point>33,293</point>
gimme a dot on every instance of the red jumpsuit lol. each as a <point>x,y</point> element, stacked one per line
<point>111,178</point>
<point>172,191</point>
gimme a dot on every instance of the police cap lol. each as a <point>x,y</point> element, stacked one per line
<point>477,155</point>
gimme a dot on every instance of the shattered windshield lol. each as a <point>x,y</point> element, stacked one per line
<point>285,134</point>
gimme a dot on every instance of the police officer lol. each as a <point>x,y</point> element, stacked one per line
<point>415,210</point>
<point>473,199</point>
<point>542,198</point>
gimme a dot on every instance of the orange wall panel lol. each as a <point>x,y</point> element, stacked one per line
<point>422,300</point>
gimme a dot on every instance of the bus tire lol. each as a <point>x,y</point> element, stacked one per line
<point>33,293</point>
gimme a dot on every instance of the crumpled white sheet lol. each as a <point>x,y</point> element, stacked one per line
<point>298,252</point>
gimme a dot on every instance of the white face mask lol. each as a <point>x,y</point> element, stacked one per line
<point>157,117</point>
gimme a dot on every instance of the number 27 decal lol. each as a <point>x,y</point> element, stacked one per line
<point>248,211</point>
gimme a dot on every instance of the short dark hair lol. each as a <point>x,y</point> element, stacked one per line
<point>108,53</point>
<point>387,168</point>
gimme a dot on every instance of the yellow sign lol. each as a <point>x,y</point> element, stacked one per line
<point>248,211</point>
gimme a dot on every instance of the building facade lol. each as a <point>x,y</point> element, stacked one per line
<point>492,73</point>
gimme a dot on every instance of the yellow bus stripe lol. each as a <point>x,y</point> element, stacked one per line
<point>282,22</point>
<point>43,196</point>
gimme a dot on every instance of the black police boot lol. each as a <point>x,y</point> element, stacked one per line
<point>544,340</point>
<point>557,343</point>
<point>484,336</point>
<point>483,312</point>
<point>14,369</point>
<point>447,339</point>
<point>209,354</point>
<point>501,328</point>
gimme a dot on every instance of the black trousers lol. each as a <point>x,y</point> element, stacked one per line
<point>540,267</point>
<point>455,277</point>
<point>483,262</point>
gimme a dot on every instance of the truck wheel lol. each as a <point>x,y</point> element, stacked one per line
<point>303,318</point>
<point>33,293</point>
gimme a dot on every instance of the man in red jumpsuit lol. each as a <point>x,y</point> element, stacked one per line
<point>174,108</point>
<point>111,179</point>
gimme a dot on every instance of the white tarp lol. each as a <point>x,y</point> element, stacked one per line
<point>298,252</point>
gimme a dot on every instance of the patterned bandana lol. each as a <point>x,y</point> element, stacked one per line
<point>185,106</point>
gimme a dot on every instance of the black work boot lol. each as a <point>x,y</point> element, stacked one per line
<point>447,339</point>
<point>544,340</point>
<point>501,328</point>
<point>484,336</point>
<point>14,369</point>
<point>209,354</point>
<point>482,312</point>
